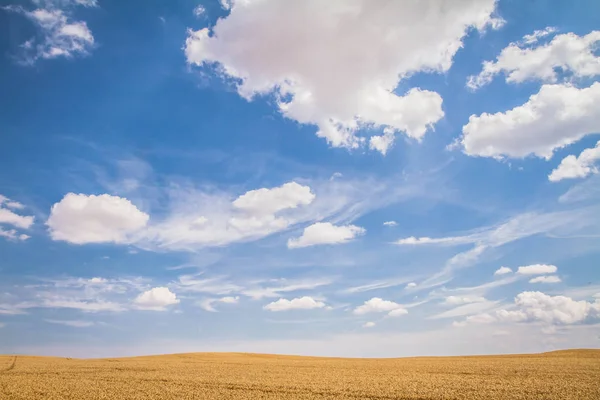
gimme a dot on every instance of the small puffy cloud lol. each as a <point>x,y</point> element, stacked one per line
<point>9,217</point>
<point>156,299</point>
<point>378,305</point>
<point>503,271</point>
<point>537,35</point>
<point>568,52</point>
<point>269,201</point>
<point>556,116</point>
<point>390,223</point>
<point>80,219</point>
<point>207,304</point>
<point>559,310</point>
<point>410,285</point>
<point>59,35</point>
<point>458,300</point>
<point>325,233</point>
<point>545,279</point>
<point>296,65</point>
<point>537,269</point>
<point>577,167</point>
<point>301,303</point>
<point>369,324</point>
<point>199,10</point>
<point>12,234</point>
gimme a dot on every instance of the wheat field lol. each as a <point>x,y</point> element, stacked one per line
<point>572,374</point>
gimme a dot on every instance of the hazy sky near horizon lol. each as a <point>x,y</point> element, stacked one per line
<point>345,178</point>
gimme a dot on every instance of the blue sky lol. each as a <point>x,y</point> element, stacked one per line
<point>363,178</point>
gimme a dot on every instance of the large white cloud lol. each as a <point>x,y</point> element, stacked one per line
<point>336,65</point>
<point>568,52</point>
<point>79,219</point>
<point>301,303</point>
<point>325,233</point>
<point>577,167</point>
<point>156,299</point>
<point>558,115</point>
<point>538,306</point>
<point>378,305</point>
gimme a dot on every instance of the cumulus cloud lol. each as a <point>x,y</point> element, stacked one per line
<point>325,233</point>
<point>79,219</point>
<point>390,223</point>
<point>58,35</point>
<point>342,39</point>
<point>572,54</point>
<point>410,285</point>
<point>12,218</point>
<point>560,310</point>
<point>577,167</point>
<point>156,299</point>
<point>378,305</point>
<point>503,271</point>
<point>301,303</point>
<point>537,269</point>
<point>556,116</point>
<point>369,324</point>
<point>545,279</point>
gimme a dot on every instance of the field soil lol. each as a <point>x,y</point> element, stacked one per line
<point>572,374</point>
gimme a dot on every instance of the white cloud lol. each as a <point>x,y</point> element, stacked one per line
<point>71,323</point>
<point>378,305</point>
<point>325,233</point>
<point>80,219</point>
<point>269,201</point>
<point>59,35</point>
<point>82,305</point>
<point>369,324</point>
<point>456,300</point>
<point>537,306</point>
<point>452,241</point>
<point>12,234</point>
<point>545,279</point>
<point>342,39</point>
<point>483,318</point>
<point>537,35</point>
<point>537,269</point>
<point>156,299</point>
<point>571,53</point>
<point>558,115</point>
<point>411,285</point>
<point>207,304</point>
<point>199,10</point>
<point>301,303</point>
<point>503,271</point>
<point>10,217</point>
<point>577,167</point>
<point>390,223</point>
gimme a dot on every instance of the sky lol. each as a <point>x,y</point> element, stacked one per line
<point>358,178</point>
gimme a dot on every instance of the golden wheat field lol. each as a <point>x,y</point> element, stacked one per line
<point>572,374</point>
